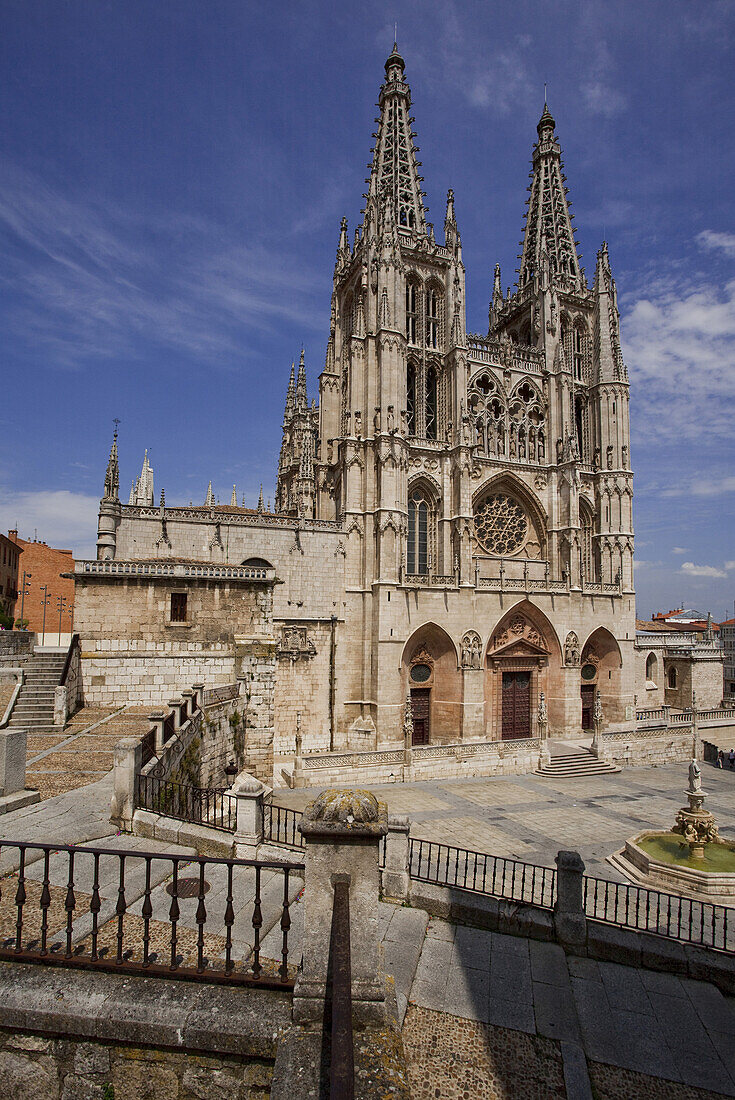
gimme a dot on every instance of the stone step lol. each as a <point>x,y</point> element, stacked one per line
<point>575,765</point>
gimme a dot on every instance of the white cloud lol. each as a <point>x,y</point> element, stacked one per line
<point>725,242</point>
<point>676,342</point>
<point>729,565</point>
<point>91,280</point>
<point>703,485</point>
<point>60,518</point>
<point>602,99</point>
<point>678,550</point>
<point>692,570</point>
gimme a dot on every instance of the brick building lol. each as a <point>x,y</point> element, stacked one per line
<point>46,565</point>
<point>9,556</point>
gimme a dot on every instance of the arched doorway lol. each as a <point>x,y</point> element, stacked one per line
<point>600,668</point>
<point>517,669</point>
<point>431,676</point>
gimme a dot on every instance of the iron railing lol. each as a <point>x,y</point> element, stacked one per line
<point>149,913</point>
<point>670,915</point>
<point>212,806</point>
<point>342,1058</point>
<point>281,826</point>
<point>480,873</point>
<point>148,745</point>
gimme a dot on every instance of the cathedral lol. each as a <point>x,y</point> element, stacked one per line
<point>451,545</point>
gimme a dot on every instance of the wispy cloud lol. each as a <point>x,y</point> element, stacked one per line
<point>692,570</point>
<point>89,280</point>
<point>724,242</point>
<point>60,518</point>
<point>497,79</point>
<point>676,341</point>
<point>678,550</point>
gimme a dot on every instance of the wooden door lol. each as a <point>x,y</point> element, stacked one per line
<point>420,714</point>
<point>588,703</point>
<point>516,705</point>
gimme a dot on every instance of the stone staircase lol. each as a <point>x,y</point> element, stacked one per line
<point>573,762</point>
<point>34,708</point>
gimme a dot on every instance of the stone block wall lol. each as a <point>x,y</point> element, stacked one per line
<point>16,642</point>
<point>117,671</point>
<point>665,746</point>
<point>42,1067</point>
<point>302,687</point>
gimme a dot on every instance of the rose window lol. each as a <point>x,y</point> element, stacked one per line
<point>501,525</point>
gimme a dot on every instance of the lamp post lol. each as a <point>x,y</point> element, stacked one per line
<point>61,603</point>
<point>25,588</point>
<point>46,597</point>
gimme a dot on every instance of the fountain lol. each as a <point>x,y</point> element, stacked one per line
<point>691,859</point>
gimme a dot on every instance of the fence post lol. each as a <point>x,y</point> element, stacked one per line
<point>570,920</point>
<point>188,695</point>
<point>157,721</point>
<point>342,831</point>
<point>198,690</point>
<point>396,874</point>
<point>127,764</point>
<point>174,704</point>
<point>250,795</point>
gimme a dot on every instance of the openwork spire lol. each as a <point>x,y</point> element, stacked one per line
<point>209,499</point>
<point>112,474</point>
<point>394,176</point>
<point>549,247</point>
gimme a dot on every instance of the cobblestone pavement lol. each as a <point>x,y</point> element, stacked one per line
<point>620,1020</point>
<point>530,818</point>
<point>82,752</point>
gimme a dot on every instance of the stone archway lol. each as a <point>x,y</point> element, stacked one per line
<point>600,670</point>
<point>522,659</point>
<point>430,672</point>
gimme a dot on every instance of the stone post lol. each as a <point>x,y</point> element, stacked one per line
<point>61,706</point>
<point>696,744</point>
<point>156,721</point>
<point>175,705</point>
<point>298,765</point>
<point>598,745</point>
<point>250,794</point>
<point>570,920</point>
<point>188,695</point>
<point>407,736</point>
<point>396,876</point>
<point>542,724</point>
<point>342,831</point>
<point>13,794</point>
<point>126,768</point>
<point>198,690</point>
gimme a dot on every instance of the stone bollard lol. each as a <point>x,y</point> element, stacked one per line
<point>157,721</point>
<point>396,876</point>
<point>126,768</point>
<point>61,705</point>
<point>13,794</point>
<point>570,920</point>
<point>342,831</point>
<point>250,794</point>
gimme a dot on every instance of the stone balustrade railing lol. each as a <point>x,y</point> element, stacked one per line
<point>183,570</point>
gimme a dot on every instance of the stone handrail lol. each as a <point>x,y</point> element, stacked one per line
<point>213,515</point>
<point>432,580</point>
<point>174,569</point>
<point>18,673</point>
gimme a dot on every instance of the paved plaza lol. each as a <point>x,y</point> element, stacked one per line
<point>530,818</point>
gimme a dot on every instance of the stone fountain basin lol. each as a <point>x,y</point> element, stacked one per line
<point>678,878</point>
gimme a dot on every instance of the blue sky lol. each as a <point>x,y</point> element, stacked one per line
<point>172,177</point>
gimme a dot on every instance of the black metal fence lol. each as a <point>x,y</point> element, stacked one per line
<point>281,826</point>
<point>148,913</point>
<point>669,915</point>
<point>510,879</point>
<point>212,806</point>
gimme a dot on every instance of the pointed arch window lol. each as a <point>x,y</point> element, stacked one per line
<point>417,550</point>
<point>431,417</point>
<point>432,318</point>
<point>411,313</point>
<point>588,558</point>
<point>411,397</point>
<point>578,355</point>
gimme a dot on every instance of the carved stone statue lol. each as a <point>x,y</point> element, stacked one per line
<point>571,649</point>
<point>695,777</point>
<point>609,457</point>
<point>471,650</point>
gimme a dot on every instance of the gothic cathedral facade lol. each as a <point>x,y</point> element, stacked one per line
<point>483,482</point>
<point>453,519</point>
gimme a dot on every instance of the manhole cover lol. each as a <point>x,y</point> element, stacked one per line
<point>187,888</point>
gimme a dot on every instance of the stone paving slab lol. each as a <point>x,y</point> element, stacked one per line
<point>640,1021</point>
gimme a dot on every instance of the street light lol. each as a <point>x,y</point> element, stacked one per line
<point>46,597</point>
<point>61,602</point>
<point>25,588</point>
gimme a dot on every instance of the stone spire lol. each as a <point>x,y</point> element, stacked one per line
<point>607,322</point>
<point>233,499</point>
<point>112,474</point>
<point>394,171</point>
<point>142,492</point>
<point>451,233</point>
<point>301,398</point>
<point>290,397</point>
<point>209,499</point>
<point>548,221</point>
<point>260,498</point>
